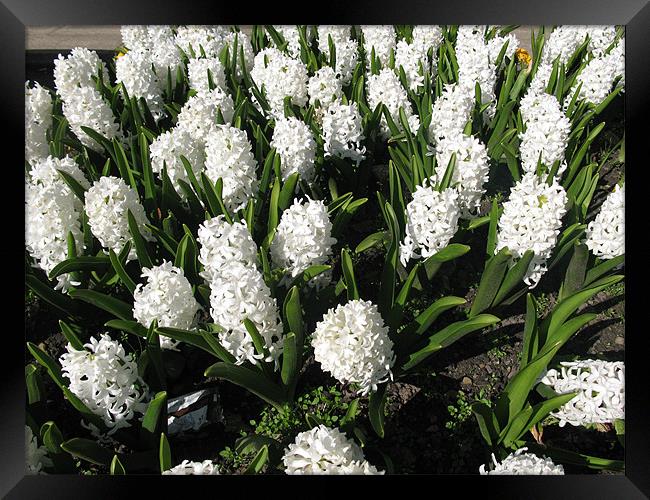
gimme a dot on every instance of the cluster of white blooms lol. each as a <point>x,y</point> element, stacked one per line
<point>387,89</point>
<point>451,112</point>
<point>427,37</point>
<point>471,171</point>
<point>35,456</point>
<point>351,342</point>
<point>294,142</point>
<point>107,203</point>
<point>325,87</point>
<point>342,132</point>
<point>192,40</point>
<point>347,50</point>
<point>496,43</point>
<point>188,468</point>
<point>197,70</point>
<point>135,36</point>
<point>83,104</point>
<point>597,77</point>
<point>135,72</point>
<point>229,156</point>
<point>303,239</point>
<point>606,233</point>
<point>166,150</point>
<point>600,38</point>
<point>380,38</point>
<point>412,59</point>
<point>199,115</point>
<point>520,463</point>
<point>531,220</point>
<point>239,292</point>
<point>292,37</point>
<point>600,388</point>
<point>52,211</point>
<point>326,451</point>
<point>547,132</point>
<point>221,244</point>
<point>167,297</point>
<point>280,76</point>
<point>475,65</point>
<point>106,380</point>
<point>243,43</point>
<point>38,118</point>
<point>159,42</point>
<point>617,58</point>
<point>431,222</point>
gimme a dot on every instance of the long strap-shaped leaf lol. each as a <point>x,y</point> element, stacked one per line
<point>108,303</point>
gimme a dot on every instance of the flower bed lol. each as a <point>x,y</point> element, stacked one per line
<point>327,250</point>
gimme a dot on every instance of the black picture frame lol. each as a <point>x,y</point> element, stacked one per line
<point>634,14</point>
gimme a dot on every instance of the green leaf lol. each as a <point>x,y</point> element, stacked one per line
<point>123,165</point>
<point>530,343</point>
<point>274,216</point>
<point>308,274</point>
<point>574,277</point>
<point>370,241</point>
<point>514,277</point>
<point>286,193</point>
<point>491,280</point>
<point>376,405</point>
<point>35,389</point>
<point>51,296</point>
<point>121,271</point>
<point>89,450</point>
<point>603,268</point>
<point>165,239</point>
<point>570,457</point>
<point>348,275</point>
<point>250,380</point>
<point>106,302</point>
<point>82,263</point>
<point>397,312</point>
<point>258,461</point>
<point>290,366</point>
<point>71,336</point>
<point>52,437</point>
<point>492,231</point>
<point>73,184</point>
<point>138,241</point>
<point>425,319</point>
<point>154,418</point>
<point>486,422</point>
<point>450,252</point>
<point>164,453</point>
<point>132,327</point>
<point>259,343</point>
<point>116,467</point>
<point>387,287</point>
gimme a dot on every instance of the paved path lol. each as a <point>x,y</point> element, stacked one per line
<point>107,37</point>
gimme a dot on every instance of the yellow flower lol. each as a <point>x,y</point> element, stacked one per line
<point>523,56</point>
<point>120,53</point>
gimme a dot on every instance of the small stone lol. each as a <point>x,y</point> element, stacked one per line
<point>619,341</point>
<point>466,381</point>
<point>481,365</point>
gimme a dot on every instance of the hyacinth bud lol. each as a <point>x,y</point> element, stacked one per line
<point>386,88</point>
<point>188,468</point>
<point>106,380</point>
<point>167,298</point>
<point>294,142</point>
<point>303,238</point>
<point>520,463</point>
<point>431,222</point>
<point>531,220</point>
<point>107,204</point>
<point>229,156</point>
<point>600,388</point>
<point>38,118</point>
<point>343,132</point>
<point>606,233</point>
<point>326,451</point>
<point>280,76</point>
<point>351,342</point>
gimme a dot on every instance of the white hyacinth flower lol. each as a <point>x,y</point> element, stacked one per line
<point>191,39</point>
<point>165,56</point>
<point>470,173</point>
<point>198,74</point>
<point>105,378</point>
<point>294,142</point>
<point>134,71</point>
<point>496,44</point>
<point>414,56</point>
<point>38,119</point>
<point>198,116</point>
<point>326,451</point>
<point>292,37</point>
<point>52,212</point>
<point>547,132</point>
<point>87,108</point>
<point>600,388</point>
<point>303,238</point>
<point>343,132</point>
<point>520,463</point>
<point>167,298</point>
<point>387,89</point>
<point>189,468</point>
<point>431,222</point>
<point>243,43</point>
<point>135,37</point>
<point>324,87</point>
<point>166,151</point>
<point>107,203</point>
<point>450,113</point>
<point>563,42</point>
<point>600,38</point>
<point>222,244</point>
<point>347,50</point>
<point>381,38</point>
<point>239,292</point>
<point>35,456</point>
<point>77,71</point>
<point>351,342</point>
<point>280,76</point>
<point>606,233</point>
<point>229,156</point>
<point>531,220</point>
